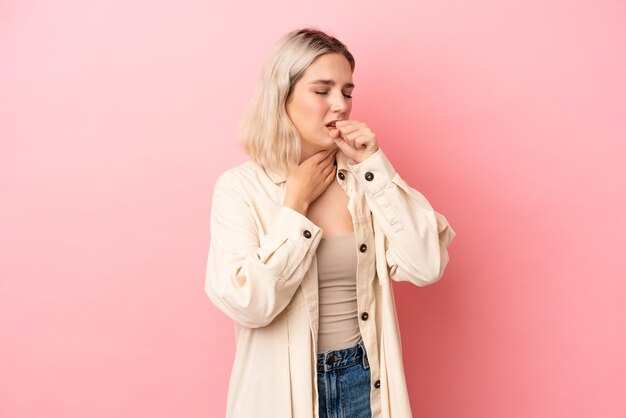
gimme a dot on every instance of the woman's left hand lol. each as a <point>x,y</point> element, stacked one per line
<point>355,139</point>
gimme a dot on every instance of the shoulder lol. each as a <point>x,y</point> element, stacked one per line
<point>243,177</point>
<point>244,187</point>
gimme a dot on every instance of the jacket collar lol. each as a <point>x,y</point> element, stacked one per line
<point>280,176</point>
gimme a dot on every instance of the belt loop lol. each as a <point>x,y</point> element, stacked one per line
<point>366,363</point>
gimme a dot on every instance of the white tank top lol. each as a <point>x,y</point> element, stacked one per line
<point>336,266</point>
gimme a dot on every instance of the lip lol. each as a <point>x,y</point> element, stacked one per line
<point>333,122</point>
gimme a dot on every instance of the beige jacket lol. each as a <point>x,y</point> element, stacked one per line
<point>262,273</point>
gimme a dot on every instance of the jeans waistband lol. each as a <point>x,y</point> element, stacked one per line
<point>345,357</point>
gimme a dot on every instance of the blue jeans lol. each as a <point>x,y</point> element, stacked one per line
<point>343,383</point>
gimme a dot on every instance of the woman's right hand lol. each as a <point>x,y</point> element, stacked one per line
<point>307,181</point>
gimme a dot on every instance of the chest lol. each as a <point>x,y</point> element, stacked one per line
<point>330,211</point>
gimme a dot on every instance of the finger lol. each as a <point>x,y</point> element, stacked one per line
<point>329,158</point>
<point>360,137</point>
<point>349,141</point>
<point>331,176</point>
<point>343,145</point>
<point>365,141</point>
<point>358,132</point>
<point>314,159</point>
<point>327,169</point>
<point>351,127</point>
<point>346,122</point>
<point>320,156</point>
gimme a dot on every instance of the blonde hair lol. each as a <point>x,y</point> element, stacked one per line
<point>265,130</point>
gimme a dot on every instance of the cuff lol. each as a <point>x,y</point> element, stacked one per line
<point>297,227</point>
<point>374,172</point>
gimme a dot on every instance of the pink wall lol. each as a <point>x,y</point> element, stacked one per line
<point>116,117</point>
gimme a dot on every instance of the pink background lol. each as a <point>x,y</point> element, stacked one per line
<point>116,118</point>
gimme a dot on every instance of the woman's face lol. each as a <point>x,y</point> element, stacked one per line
<point>319,97</point>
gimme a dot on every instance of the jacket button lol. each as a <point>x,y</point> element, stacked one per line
<point>364,316</point>
<point>363,248</point>
<point>307,233</point>
<point>377,384</point>
<point>369,176</point>
<point>341,176</point>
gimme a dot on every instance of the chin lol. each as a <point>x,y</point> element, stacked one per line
<point>329,143</point>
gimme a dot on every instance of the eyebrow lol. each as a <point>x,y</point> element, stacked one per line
<point>330,83</point>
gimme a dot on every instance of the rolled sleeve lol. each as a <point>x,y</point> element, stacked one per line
<point>416,236</point>
<point>301,232</point>
<point>374,174</point>
<point>252,278</point>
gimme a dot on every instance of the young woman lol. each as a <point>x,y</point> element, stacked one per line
<point>305,240</point>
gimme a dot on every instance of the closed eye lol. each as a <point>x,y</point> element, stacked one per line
<point>325,92</point>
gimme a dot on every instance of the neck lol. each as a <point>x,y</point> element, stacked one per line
<point>307,151</point>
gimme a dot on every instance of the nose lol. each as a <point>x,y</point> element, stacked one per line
<point>340,102</point>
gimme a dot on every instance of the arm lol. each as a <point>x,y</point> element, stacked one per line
<point>252,281</point>
<point>416,236</point>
